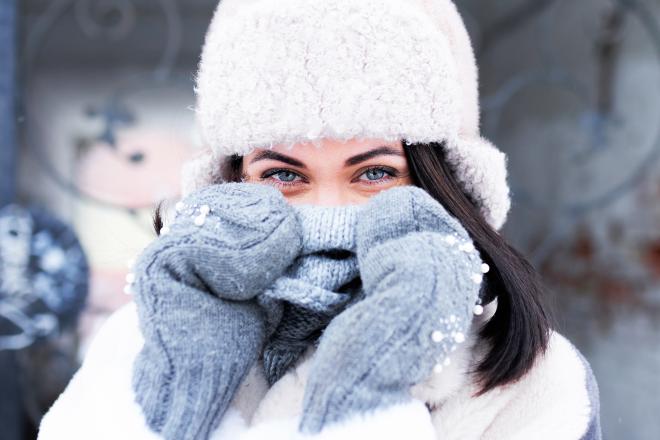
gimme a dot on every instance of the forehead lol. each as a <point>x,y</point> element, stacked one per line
<point>329,148</point>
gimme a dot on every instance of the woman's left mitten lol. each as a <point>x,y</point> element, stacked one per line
<point>422,275</point>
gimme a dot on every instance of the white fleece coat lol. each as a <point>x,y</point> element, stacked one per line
<point>557,399</point>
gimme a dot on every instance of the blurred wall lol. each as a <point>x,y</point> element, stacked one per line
<point>108,124</point>
<point>8,94</point>
<point>571,92</point>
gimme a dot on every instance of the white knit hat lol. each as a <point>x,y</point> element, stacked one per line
<point>289,71</point>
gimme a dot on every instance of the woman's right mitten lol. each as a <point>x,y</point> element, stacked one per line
<point>195,289</point>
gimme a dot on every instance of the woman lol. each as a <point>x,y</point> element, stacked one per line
<point>364,117</point>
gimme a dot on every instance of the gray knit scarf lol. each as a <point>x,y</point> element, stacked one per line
<point>321,283</point>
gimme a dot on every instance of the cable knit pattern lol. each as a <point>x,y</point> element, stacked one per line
<point>315,288</point>
<point>421,276</point>
<point>195,289</point>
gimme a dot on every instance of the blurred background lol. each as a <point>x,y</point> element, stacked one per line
<point>96,119</point>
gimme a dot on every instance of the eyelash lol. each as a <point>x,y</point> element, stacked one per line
<point>271,172</point>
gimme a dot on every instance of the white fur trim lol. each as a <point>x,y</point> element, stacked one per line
<point>289,71</point>
<point>481,169</point>
<point>553,399</point>
<point>231,427</point>
<point>98,402</point>
<point>285,398</point>
<point>446,16</point>
<point>556,383</point>
<point>550,402</point>
<point>202,170</point>
<point>397,422</point>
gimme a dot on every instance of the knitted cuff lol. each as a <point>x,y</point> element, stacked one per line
<point>194,399</point>
<point>193,359</point>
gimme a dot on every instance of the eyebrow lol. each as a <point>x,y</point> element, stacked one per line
<point>385,150</point>
<point>274,155</point>
<point>351,161</point>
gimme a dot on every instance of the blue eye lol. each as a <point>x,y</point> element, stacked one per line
<point>378,174</point>
<point>284,177</point>
<point>289,175</point>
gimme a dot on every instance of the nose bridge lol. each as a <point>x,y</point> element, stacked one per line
<point>327,228</point>
<point>331,194</point>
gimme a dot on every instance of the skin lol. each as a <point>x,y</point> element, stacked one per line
<point>334,173</point>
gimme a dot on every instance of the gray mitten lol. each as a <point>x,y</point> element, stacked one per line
<point>195,289</point>
<point>315,287</point>
<point>421,275</point>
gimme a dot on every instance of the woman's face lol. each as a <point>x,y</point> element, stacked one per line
<point>335,173</point>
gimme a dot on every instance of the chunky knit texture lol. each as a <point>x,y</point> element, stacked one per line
<point>322,280</point>
<point>237,268</point>
<point>421,276</point>
<point>195,289</point>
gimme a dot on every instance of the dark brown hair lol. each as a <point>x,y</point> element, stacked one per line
<point>519,330</point>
